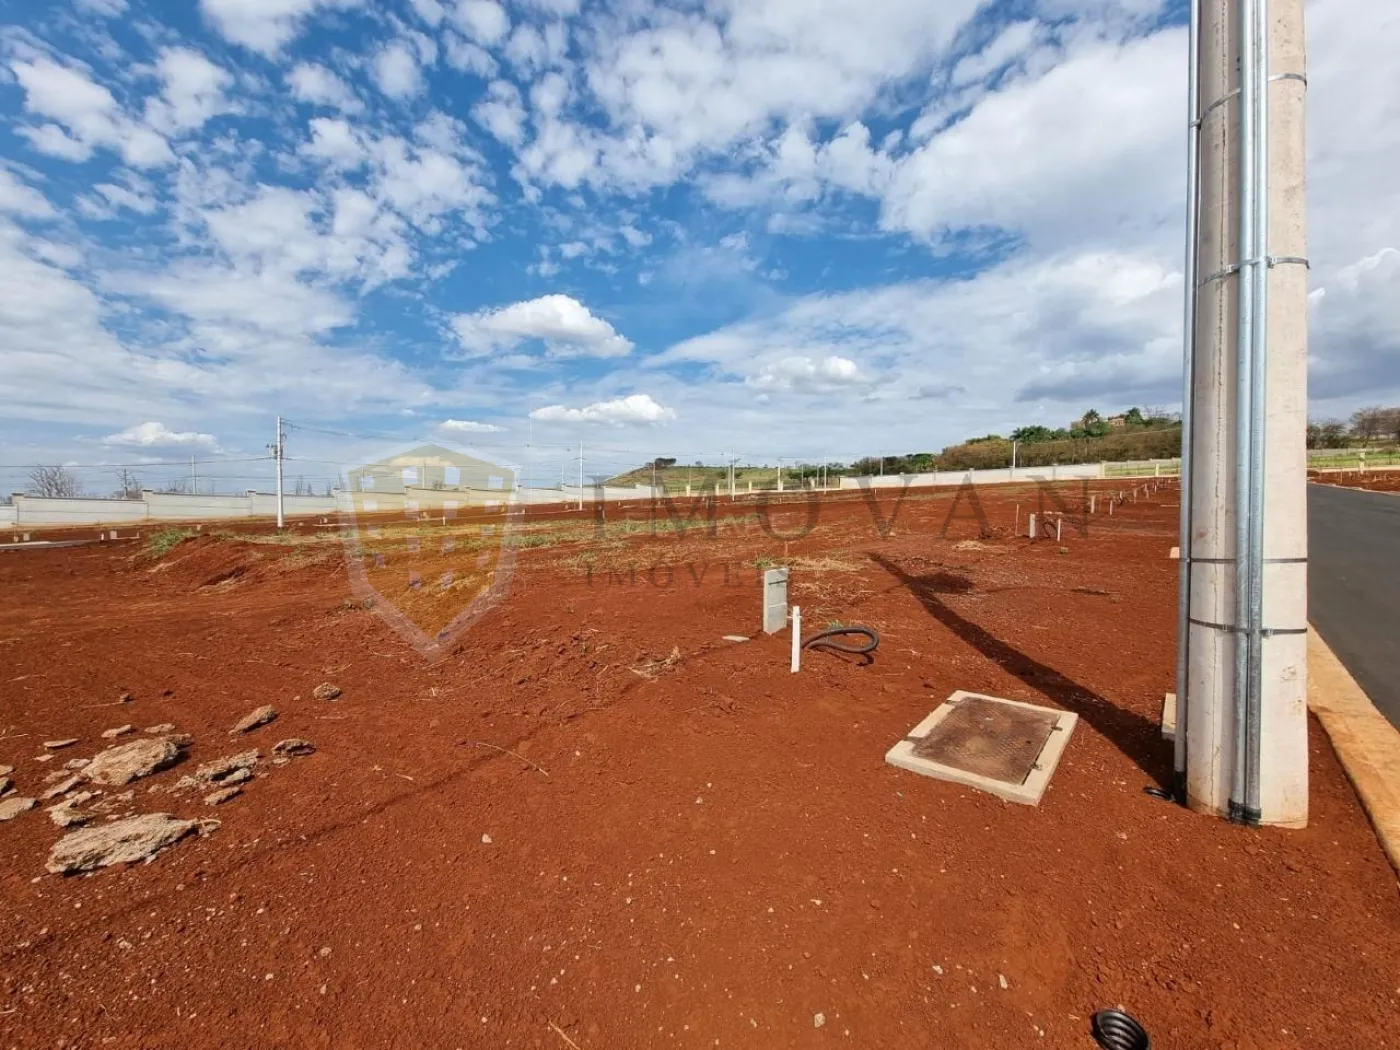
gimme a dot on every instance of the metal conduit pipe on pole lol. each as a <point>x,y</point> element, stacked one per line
<point>1258,359</point>
<point>1183,604</point>
<point>1242,718</point>
<point>1247,259</point>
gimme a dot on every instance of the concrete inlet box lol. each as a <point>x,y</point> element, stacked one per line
<point>1004,747</point>
<point>775,600</point>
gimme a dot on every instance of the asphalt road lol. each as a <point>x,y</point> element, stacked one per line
<point>1354,586</point>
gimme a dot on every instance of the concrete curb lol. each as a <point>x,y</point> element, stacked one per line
<point>1367,744</point>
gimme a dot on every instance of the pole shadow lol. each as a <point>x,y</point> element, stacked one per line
<point>1137,737</point>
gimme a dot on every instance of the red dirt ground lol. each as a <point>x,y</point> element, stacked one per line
<point>703,850</point>
<point>1374,481</point>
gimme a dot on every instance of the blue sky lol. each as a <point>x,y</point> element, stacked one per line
<point>778,228</point>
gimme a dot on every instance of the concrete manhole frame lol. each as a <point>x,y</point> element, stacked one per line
<point>1027,793</point>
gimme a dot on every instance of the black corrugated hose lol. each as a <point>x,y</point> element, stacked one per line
<point>823,640</point>
<point>1115,1030</point>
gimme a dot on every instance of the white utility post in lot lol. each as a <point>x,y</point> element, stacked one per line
<point>1242,668</point>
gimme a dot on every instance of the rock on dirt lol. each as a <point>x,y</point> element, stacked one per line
<point>164,727</point>
<point>63,786</point>
<point>218,798</point>
<point>54,745</point>
<point>294,747</point>
<point>231,769</point>
<point>5,784</point>
<point>259,716</point>
<point>112,734</point>
<point>326,691</point>
<point>66,814</point>
<point>76,763</point>
<point>6,770</point>
<point>121,842</point>
<point>127,762</point>
<point>112,802</point>
<point>14,806</point>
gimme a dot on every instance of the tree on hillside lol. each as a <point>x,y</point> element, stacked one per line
<point>1031,434</point>
<point>1368,423</point>
<point>1327,433</point>
<point>1133,417</point>
<point>1390,424</point>
<point>54,483</point>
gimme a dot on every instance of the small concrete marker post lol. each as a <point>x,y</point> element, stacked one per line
<point>1030,526</point>
<point>796,638</point>
<point>1058,523</point>
<point>775,600</point>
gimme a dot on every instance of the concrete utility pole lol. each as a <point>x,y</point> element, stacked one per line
<point>277,450</point>
<point>1242,668</point>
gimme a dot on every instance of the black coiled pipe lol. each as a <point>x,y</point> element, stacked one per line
<point>824,640</point>
<point>1115,1030</point>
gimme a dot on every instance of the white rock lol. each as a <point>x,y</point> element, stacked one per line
<point>112,734</point>
<point>218,798</point>
<point>486,840</point>
<point>62,787</point>
<point>121,842</point>
<point>259,716</point>
<point>127,762</point>
<point>14,805</point>
<point>818,1020</point>
<point>231,769</point>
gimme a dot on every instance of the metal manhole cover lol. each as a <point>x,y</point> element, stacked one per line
<point>989,738</point>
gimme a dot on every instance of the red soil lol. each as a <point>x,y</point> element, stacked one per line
<point>697,848</point>
<point>1374,481</point>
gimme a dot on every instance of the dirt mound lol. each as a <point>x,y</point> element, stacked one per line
<point>218,561</point>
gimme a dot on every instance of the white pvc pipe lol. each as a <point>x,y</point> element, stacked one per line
<point>796,638</point>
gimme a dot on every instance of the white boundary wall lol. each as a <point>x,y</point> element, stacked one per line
<point>1003,476</point>
<point>173,506</point>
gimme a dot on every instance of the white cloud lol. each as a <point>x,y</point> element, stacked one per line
<point>1056,158</point>
<point>808,375</point>
<point>88,111</point>
<point>264,25</point>
<point>334,142</point>
<point>563,324</point>
<point>18,198</point>
<point>430,11</point>
<point>485,21</point>
<point>158,435</point>
<point>502,113</point>
<point>467,426</point>
<point>192,91</point>
<point>396,71</point>
<point>636,408</point>
<point>53,141</point>
<point>137,200</point>
<point>318,86</point>
<point>105,8</point>
<point>467,57</point>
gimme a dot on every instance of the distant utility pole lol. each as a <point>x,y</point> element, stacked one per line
<point>278,449</point>
<point>194,477</point>
<point>1241,736</point>
<point>580,473</point>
